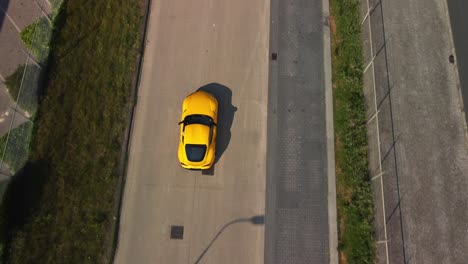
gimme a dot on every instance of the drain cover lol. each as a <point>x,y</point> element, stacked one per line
<point>177,232</point>
<point>274,56</point>
<point>451,59</point>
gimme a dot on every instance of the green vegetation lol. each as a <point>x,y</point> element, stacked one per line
<point>17,151</point>
<point>36,38</point>
<point>27,34</point>
<point>355,201</point>
<point>60,206</point>
<point>29,97</point>
<point>13,82</point>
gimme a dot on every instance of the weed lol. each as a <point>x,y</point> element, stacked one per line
<point>355,200</point>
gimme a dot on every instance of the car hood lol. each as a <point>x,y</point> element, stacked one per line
<point>200,103</point>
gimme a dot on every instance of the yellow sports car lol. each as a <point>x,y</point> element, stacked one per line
<point>198,131</point>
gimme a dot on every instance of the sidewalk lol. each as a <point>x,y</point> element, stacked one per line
<point>15,15</point>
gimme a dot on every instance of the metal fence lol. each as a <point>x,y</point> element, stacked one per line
<point>23,87</point>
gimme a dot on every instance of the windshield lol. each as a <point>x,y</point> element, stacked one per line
<point>198,119</point>
<point>195,153</point>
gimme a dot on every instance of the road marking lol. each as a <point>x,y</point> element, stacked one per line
<point>378,175</point>
<point>365,17</point>
<point>31,58</point>
<point>372,117</point>
<point>11,19</point>
<point>370,63</point>
<point>377,128</point>
<point>43,12</point>
<point>14,113</point>
<point>369,11</point>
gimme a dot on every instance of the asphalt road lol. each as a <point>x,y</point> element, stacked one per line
<point>192,44</point>
<point>417,144</point>
<point>459,20</point>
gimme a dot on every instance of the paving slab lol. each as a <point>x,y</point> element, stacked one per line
<point>297,228</point>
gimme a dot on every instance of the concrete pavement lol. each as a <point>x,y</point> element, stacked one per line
<point>191,44</point>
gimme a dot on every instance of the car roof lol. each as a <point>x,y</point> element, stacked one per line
<point>196,134</point>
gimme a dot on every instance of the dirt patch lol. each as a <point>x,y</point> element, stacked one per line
<point>331,19</point>
<point>343,259</point>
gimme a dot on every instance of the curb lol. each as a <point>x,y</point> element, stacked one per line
<point>332,211</point>
<point>128,131</point>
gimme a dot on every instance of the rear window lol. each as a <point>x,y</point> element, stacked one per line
<point>198,119</point>
<point>195,153</point>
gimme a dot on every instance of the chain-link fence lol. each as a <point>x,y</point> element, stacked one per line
<point>23,86</point>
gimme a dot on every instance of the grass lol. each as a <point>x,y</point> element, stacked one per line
<point>60,206</point>
<point>354,192</point>
<point>13,82</point>
<point>16,154</point>
<point>27,101</point>
<point>36,36</point>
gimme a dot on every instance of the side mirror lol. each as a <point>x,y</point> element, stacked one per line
<point>181,122</point>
